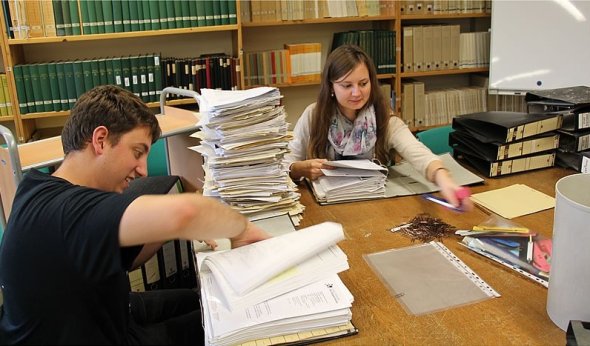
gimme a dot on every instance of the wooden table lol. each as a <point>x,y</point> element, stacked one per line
<point>518,317</point>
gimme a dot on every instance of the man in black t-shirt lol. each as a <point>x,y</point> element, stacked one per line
<point>72,236</point>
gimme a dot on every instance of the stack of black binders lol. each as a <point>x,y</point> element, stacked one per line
<point>573,104</point>
<point>173,266</point>
<point>500,143</point>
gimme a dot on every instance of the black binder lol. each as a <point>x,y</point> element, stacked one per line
<point>505,127</point>
<point>504,167</point>
<point>574,141</point>
<point>165,270</point>
<point>570,96</point>
<point>579,161</point>
<point>500,151</point>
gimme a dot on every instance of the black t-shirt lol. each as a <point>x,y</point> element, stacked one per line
<point>62,270</point>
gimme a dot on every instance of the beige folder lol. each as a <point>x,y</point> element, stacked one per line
<point>408,104</point>
<point>418,64</point>
<point>408,48</point>
<point>437,47</point>
<point>446,47</point>
<point>428,56</point>
<point>419,104</point>
<point>455,32</point>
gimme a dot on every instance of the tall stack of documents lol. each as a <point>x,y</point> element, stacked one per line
<point>243,140</point>
<point>573,104</point>
<point>350,180</point>
<point>500,143</point>
<point>277,287</point>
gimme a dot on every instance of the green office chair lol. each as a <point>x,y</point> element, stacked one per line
<point>437,139</point>
<point>157,162</point>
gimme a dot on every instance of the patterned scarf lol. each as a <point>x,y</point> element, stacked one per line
<point>348,138</point>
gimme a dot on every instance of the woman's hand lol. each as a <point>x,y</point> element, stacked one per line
<point>453,193</point>
<point>310,169</point>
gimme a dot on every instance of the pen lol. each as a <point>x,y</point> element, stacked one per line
<point>441,201</point>
<point>529,250</point>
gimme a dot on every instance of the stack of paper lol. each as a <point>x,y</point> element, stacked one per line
<point>244,138</point>
<point>275,287</point>
<point>350,180</point>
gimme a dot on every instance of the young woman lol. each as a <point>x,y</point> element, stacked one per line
<point>352,120</point>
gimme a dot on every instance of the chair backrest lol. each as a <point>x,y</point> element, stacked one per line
<point>437,139</point>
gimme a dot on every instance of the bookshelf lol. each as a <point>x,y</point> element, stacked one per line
<point>232,39</point>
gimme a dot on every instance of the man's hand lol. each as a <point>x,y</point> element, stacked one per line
<point>251,234</point>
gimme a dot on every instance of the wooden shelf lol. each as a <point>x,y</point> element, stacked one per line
<point>7,118</point>
<point>317,21</point>
<point>444,16</point>
<point>443,72</point>
<point>120,35</point>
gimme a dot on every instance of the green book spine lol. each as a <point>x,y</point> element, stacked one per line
<point>110,73</point>
<point>140,23</point>
<point>163,15</point>
<point>95,71</point>
<point>126,72</point>
<point>201,12</point>
<point>92,17</point>
<point>224,11</point>
<point>117,16</point>
<point>87,75</point>
<point>78,77</point>
<point>60,72</point>
<point>54,87</point>
<point>117,71</point>
<point>85,17</point>
<point>58,16</point>
<point>135,77</point>
<point>102,71</point>
<point>216,12</point>
<point>155,15</point>
<point>108,16</point>
<point>178,14</point>
<point>149,61</point>
<point>74,17</point>
<point>192,14</point>
<point>37,92</point>
<point>143,78</point>
<point>66,15</point>
<point>126,15</point>
<point>71,82</point>
<point>170,14</point>
<point>146,18</point>
<point>21,94</point>
<point>4,95</point>
<point>134,15</point>
<point>232,11</point>
<point>30,95</point>
<point>157,76</point>
<point>209,12</point>
<point>45,88</point>
<point>186,13</point>
<point>100,28</point>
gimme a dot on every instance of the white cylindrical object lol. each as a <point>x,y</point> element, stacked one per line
<point>568,297</point>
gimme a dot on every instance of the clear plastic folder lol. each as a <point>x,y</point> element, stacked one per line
<point>428,278</point>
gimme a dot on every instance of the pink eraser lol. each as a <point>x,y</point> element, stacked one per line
<point>463,192</point>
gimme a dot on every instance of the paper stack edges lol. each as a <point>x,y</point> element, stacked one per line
<point>275,287</point>
<point>243,140</point>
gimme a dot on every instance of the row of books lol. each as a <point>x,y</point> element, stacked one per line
<point>5,103</point>
<point>212,71</point>
<point>438,107</point>
<point>55,86</point>
<point>443,47</point>
<point>378,44</point>
<point>43,18</point>
<point>422,7</point>
<point>276,11</point>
